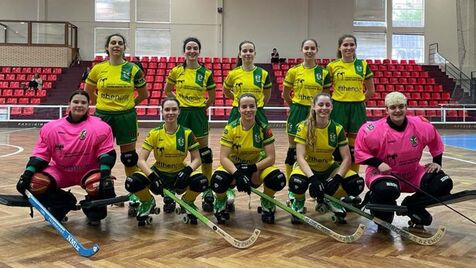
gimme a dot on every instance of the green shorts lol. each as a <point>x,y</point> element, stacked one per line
<point>297,114</point>
<point>321,175</point>
<point>194,118</point>
<point>123,124</point>
<point>351,115</point>
<point>260,115</point>
<point>169,179</point>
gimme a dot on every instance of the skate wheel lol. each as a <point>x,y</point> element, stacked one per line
<point>149,220</point>
<point>321,208</point>
<point>207,207</point>
<point>259,210</point>
<point>295,220</point>
<point>178,210</point>
<point>304,210</point>
<point>230,207</point>
<point>141,223</point>
<point>65,219</point>
<point>132,212</point>
<point>156,210</point>
<point>338,219</point>
<point>185,219</point>
<point>288,203</point>
<point>227,216</point>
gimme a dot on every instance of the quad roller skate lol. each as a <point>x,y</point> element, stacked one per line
<point>221,214</point>
<point>207,200</point>
<point>188,217</point>
<point>134,203</point>
<point>339,212</point>
<point>298,206</point>
<point>145,209</point>
<point>169,205</point>
<point>267,210</point>
<point>230,200</point>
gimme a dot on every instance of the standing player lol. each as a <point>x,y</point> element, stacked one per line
<point>115,81</point>
<point>170,144</point>
<point>316,139</point>
<point>74,150</point>
<point>301,84</point>
<point>392,148</point>
<point>247,78</point>
<point>243,162</point>
<point>193,82</point>
<point>352,82</point>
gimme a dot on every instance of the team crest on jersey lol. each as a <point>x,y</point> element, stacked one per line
<point>181,142</point>
<point>258,78</point>
<point>257,137</point>
<point>414,141</point>
<point>199,77</point>
<point>359,68</point>
<point>370,126</point>
<point>318,76</point>
<point>82,135</point>
<point>332,138</point>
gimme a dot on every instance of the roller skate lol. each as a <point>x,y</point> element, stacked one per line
<point>267,211</point>
<point>230,200</point>
<point>145,209</point>
<point>419,217</point>
<point>352,200</point>
<point>339,212</point>
<point>219,207</point>
<point>134,203</point>
<point>169,205</point>
<point>298,206</point>
<point>207,200</point>
<point>188,217</point>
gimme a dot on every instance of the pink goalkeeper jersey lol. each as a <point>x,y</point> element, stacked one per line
<point>73,149</point>
<point>402,151</point>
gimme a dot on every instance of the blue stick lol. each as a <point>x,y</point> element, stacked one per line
<point>83,251</point>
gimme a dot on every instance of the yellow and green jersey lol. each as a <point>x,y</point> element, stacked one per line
<point>306,82</point>
<point>170,150</point>
<point>255,81</point>
<point>115,85</point>
<point>246,145</point>
<point>191,85</point>
<point>348,79</point>
<point>319,157</point>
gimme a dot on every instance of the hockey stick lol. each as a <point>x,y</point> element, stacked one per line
<point>83,251</point>
<point>233,241</point>
<point>426,241</point>
<point>341,238</point>
<point>432,197</point>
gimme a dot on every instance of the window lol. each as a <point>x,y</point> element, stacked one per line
<point>407,46</point>
<point>153,11</point>
<point>100,35</point>
<point>152,42</point>
<point>369,13</point>
<point>408,13</point>
<point>112,10</point>
<point>371,45</point>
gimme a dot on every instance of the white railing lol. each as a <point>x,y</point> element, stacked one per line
<point>45,113</point>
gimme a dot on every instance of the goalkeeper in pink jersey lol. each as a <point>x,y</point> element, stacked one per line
<point>392,148</point>
<point>74,150</point>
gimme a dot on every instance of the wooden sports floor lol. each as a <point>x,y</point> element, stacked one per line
<point>167,242</point>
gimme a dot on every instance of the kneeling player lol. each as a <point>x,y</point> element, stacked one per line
<point>247,156</point>
<point>316,139</point>
<point>392,148</point>
<point>170,144</point>
<point>75,150</point>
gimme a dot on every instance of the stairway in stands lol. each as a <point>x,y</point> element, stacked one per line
<point>69,82</point>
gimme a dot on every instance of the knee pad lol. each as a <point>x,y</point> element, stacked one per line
<point>291,157</point>
<point>275,180</point>
<point>60,202</point>
<point>220,181</point>
<point>198,183</point>
<point>40,183</point>
<point>90,182</point>
<point>136,181</point>
<point>206,155</point>
<point>298,184</point>
<point>385,190</point>
<point>437,184</point>
<point>353,185</point>
<point>129,159</point>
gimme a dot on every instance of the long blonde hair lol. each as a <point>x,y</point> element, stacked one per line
<point>312,119</point>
